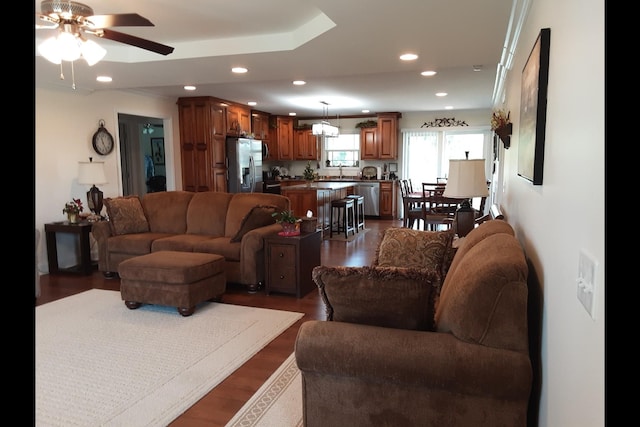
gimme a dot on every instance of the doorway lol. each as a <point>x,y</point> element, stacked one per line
<point>142,154</point>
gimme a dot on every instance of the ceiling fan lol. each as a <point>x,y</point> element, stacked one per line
<point>78,19</point>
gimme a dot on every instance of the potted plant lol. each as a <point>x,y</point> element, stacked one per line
<point>309,174</point>
<point>502,126</point>
<point>290,223</point>
<point>73,209</point>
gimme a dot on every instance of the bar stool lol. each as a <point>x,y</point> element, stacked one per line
<point>359,209</point>
<point>344,217</point>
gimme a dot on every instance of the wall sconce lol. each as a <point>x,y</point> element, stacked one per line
<point>92,173</point>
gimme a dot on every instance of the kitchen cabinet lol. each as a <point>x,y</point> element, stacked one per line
<point>305,145</point>
<point>282,135</point>
<point>289,262</point>
<point>238,120</point>
<point>381,142</point>
<point>202,144</point>
<point>260,125</point>
<point>388,200</point>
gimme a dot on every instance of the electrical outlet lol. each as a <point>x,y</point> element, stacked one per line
<point>587,282</point>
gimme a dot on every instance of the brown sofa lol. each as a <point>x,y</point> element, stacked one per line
<point>208,222</point>
<point>385,358</point>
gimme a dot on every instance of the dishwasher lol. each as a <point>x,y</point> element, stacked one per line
<point>371,193</point>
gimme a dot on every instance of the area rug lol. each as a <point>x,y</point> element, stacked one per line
<point>350,238</point>
<point>278,403</point>
<point>97,363</point>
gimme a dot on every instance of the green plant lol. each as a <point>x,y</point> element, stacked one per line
<point>309,174</point>
<point>285,216</point>
<point>73,207</point>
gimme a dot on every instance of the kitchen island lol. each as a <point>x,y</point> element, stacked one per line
<point>317,198</point>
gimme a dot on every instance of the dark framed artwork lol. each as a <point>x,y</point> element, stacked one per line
<point>157,151</point>
<point>533,110</point>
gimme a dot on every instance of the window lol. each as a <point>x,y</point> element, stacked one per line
<point>343,150</point>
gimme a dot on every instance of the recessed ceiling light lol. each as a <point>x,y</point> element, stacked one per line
<point>104,79</point>
<point>365,111</point>
<point>189,87</point>
<point>252,103</point>
<point>292,114</point>
<point>441,94</point>
<point>239,70</point>
<point>428,73</point>
<point>477,68</point>
<point>299,82</point>
<point>448,107</point>
<point>408,56</point>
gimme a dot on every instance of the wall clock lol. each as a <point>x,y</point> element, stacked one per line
<point>102,140</point>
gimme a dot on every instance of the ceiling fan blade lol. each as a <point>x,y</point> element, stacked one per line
<point>118,20</point>
<point>136,41</point>
<point>44,22</point>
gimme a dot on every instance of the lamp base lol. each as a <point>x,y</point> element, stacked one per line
<point>465,219</point>
<point>94,200</point>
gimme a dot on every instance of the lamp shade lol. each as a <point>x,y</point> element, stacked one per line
<point>91,173</point>
<point>466,179</point>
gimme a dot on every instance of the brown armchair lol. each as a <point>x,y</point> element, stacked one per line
<point>377,363</point>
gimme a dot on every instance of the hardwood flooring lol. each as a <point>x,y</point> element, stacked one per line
<point>220,404</point>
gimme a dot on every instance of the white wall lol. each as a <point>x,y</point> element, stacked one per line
<point>65,122</point>
<point>554,221</point>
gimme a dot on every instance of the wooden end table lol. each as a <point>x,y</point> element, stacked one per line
<point>82,229</point>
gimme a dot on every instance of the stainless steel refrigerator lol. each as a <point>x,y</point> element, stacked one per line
<point>244,165</point>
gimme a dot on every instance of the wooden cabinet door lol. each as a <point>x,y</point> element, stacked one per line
<point>368,143</point>
<point>195,144</point>
<point>284,138</point>
<point>386,200</point>
<point>388,135</point>
<point>305,145</point>
<point>260,125</point>
<point>238,120</point>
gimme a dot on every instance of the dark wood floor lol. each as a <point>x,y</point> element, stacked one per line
<point>221,403</point>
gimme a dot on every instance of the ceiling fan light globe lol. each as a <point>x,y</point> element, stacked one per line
<point>50,51</point>
<point>68,46</point>
<point>92,52</point>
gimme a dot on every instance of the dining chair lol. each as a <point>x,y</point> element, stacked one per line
<point>438,211</point>
<point>412,210</point>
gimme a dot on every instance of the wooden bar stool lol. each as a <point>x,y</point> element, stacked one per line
<point>344,217</point>
<point>359,210</point>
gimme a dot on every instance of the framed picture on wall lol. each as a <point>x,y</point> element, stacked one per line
<point>533,110</point>
<point>157,151</point>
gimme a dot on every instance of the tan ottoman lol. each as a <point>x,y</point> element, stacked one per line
<point>179,279</point>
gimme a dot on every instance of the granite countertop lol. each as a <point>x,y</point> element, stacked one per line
<point>320,185</point>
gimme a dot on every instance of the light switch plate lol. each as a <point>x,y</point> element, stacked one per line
<point>587,282</point>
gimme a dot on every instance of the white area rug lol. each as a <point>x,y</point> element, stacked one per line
<point>278,403</point>
<point>100,364</point>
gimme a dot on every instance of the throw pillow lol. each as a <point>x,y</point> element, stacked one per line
<point>258,216</point>
<point>390,297</point>
<point>405,247</point>
<point>126,215</point>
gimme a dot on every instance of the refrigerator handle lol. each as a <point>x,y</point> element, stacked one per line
<point>252,175</point>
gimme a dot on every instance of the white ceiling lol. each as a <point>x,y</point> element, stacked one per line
<point>346,50</point>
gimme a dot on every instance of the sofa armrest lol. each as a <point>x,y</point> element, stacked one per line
<point>101,231</point>
<point>423,359</point>
<point>252,253</point>
<point>392,297</point>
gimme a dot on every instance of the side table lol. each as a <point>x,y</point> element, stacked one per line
<point>289,261</point>
<point>82,229</point>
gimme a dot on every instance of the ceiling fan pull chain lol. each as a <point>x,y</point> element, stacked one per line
<point>61,72</point>
<point>73,77</point>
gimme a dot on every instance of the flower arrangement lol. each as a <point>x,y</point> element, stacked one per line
<point>73,207</point>
<point>499,119</point>
<point>285,216</point>
<point>309,174</point>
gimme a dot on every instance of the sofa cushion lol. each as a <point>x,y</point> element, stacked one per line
<point>207,213</point>
<point>390,297</point>
<point>405,247</point>
<point>242,203</point>
<point>166,211</point>
<point>126,215</point>
<point>258,216</point>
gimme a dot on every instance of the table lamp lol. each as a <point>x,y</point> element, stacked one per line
<point>466,180</point>
<point>92,173</point>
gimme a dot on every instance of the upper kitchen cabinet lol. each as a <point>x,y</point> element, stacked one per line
<point>305,145</point>
<point>260,125</point>
<point>202,144</point>
<point>282,138</point>
<point>381,142</point>
<point>238,120</point>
